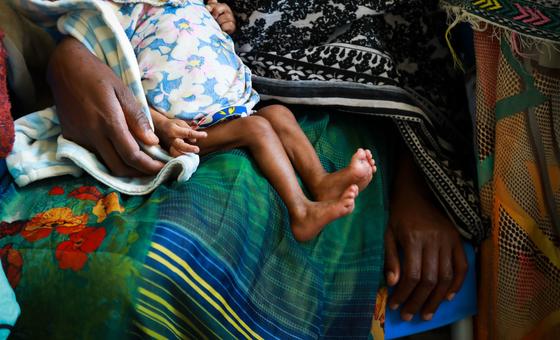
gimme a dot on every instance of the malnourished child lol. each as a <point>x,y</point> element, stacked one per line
<point>196,85</point>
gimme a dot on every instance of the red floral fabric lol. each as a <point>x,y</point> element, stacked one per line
<point>6,121</point>
<point>73,254</point>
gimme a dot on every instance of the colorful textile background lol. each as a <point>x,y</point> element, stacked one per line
<point>533,18</point>
<point>212,257</point>
<point>518,146</point>
<point>518,138</point>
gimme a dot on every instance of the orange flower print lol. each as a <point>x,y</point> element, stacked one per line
<point>12,263</point>
<point>378,322</point>
<point>380,305</point>
<point>42,224</point>
<point>73,254</point>
<point>107,205</point>
<point>86,193</point>
<point>56,191</point>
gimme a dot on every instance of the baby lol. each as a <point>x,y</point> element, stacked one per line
<point>196,86</point>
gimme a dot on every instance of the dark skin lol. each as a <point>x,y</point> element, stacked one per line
<point>280,148</point>
<point>97,111</point>
<point>433,263</point>
<point>222,14</point>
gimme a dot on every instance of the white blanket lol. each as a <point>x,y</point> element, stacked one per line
<point>40,151</point>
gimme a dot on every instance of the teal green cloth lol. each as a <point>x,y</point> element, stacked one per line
<point>212,257</point>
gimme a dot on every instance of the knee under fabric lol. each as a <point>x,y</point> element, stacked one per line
<point>188,64</point>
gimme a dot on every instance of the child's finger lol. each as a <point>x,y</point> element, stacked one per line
<point>184,124</point>
<point>183,130</point>
<point>226,17</point>
<point>217,9</point>
<point>228,27</point>
<point>197,134</point>
<point>180,147</point>
<point>189,133</point>
<point>227,22</point>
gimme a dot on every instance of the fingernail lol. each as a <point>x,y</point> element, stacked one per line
<point>391,277</point>
<point>428,317</point>
<point>153,138</point>
<point>407,317</point>
<point>394,306</point>
<point>450,296</point>
<point>208,7</point>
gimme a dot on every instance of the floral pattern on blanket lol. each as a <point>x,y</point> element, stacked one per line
<point>75,229</point>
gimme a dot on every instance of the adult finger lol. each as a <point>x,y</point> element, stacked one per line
<point>392,264</point>
<point>106,151</point>
<point>444,281</point>
<point>136,119</point>
<point>117,131</point>
<point>130,153</point>
<point>460,267</point>
<point>411,274</point>
<point>428,281</point>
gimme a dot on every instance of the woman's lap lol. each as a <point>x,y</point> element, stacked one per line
<point>212,256</point>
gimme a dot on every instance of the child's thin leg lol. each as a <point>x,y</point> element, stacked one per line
<point>324,186</point>
<point>307,218</point>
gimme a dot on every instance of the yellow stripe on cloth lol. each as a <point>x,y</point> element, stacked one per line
<point>179,288</point>
<point>171,309</point>
<point>529,225</point>
<point>204,284</point>
<point>160,319</point>
<point>149,332</point>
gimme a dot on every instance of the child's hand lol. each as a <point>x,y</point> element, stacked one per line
<point>176,134</point>
<point>223,15</point>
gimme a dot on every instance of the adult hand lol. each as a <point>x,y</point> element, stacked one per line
<point>433,263</point>
<point>97,111</point>
<point>223,15</point>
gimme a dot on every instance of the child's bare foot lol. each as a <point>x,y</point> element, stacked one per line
<point>308,221</point>
<point>360,172</point>
<point>175,134</point>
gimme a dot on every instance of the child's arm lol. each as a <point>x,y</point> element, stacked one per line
<point>223,14</point>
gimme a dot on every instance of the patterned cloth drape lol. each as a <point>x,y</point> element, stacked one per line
<point>518,135</point>
<point>517,46</point>
<point>381,58</point>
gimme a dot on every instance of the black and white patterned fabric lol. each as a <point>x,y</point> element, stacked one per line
<point>382,58</point>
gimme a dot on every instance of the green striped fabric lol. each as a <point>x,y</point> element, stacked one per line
<point>212,257</point>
